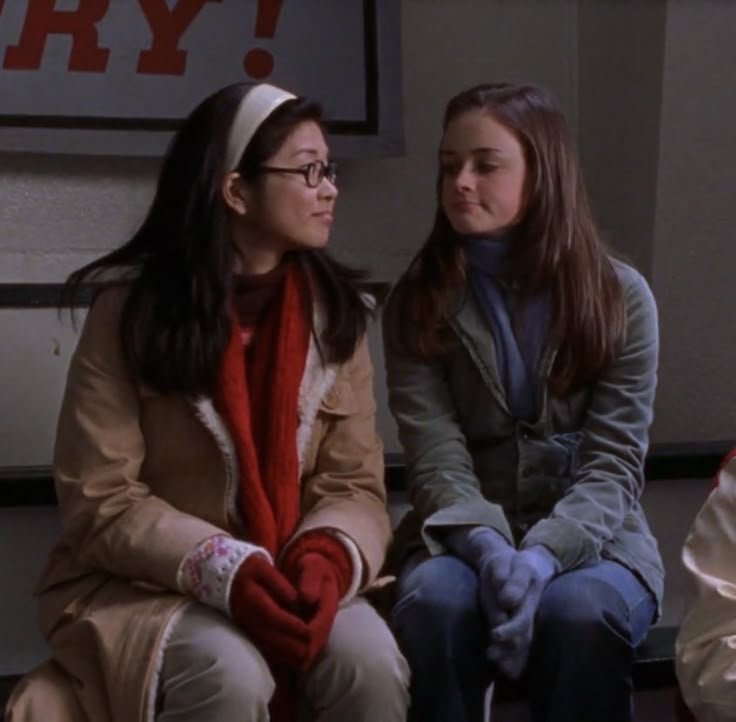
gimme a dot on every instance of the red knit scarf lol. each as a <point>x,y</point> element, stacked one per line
<point>257,395</point>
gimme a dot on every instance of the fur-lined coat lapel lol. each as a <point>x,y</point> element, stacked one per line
<point>316,383</point>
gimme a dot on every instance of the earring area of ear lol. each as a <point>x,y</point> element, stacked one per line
<point>234,193</point>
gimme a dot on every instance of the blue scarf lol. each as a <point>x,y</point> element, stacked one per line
<point>517,350</point>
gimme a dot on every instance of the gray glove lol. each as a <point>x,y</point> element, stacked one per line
<point>531,570</point>
<point>490,555</point>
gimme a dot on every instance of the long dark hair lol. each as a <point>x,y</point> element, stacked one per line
<point>179,264</point>
<point>556,247</point>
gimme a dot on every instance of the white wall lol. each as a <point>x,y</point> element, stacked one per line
<point>27,536</point>
<point>37,347</point>
<point>694,239</point>
<point>58,212</point>
<point>620,52</point>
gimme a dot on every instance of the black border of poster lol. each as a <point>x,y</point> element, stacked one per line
<point>367,126</point>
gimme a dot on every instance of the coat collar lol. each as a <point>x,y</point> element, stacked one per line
<point>472,329</point>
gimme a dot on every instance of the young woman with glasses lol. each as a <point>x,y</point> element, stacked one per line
<point>521,361</point>
<point>218,472</point>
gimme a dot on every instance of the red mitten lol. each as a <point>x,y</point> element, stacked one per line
<point>264,604</point>
<point>320,568</point>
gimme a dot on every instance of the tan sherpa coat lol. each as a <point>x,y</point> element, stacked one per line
<point>142,478</point>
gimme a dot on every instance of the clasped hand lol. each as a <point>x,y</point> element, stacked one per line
<point>287,614</point>
<point>511,583</point>
<point>516,587</point>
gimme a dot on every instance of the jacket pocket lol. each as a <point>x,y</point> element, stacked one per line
<point>547,469</point>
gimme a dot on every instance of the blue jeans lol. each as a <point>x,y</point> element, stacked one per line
<point>587,627</point>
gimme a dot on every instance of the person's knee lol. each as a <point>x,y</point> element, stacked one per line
<point>362,643</point>
<point>587,610</point>
<point>237,673</point>
<point>373,671</point>
<point>437,595</point>
<point>361,661</point>
<point>210,661</point>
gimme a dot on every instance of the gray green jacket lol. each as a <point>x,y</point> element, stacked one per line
<point>571,480</point>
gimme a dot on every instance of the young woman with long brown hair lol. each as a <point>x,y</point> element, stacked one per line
<point>219,476</point>
<point>521,364</point>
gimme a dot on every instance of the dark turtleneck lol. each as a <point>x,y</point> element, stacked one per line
<point>253,294</point>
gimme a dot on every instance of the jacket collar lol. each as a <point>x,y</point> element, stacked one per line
<point>472,329</point>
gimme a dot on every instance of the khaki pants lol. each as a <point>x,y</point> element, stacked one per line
<point>212,673</point>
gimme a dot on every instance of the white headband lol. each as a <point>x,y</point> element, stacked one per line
<point>257,104</point>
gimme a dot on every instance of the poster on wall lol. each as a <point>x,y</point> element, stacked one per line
<point>118,76</point>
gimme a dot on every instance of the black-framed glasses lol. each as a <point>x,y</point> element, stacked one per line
<point>314,173</point>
